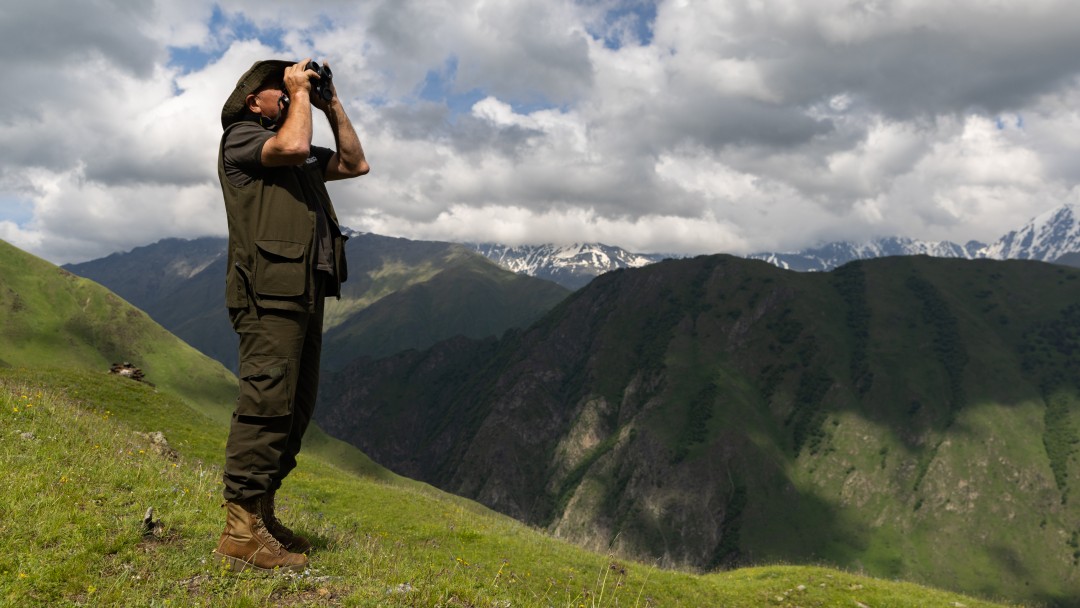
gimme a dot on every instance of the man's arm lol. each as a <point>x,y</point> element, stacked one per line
<point>349,160</point>
<point>291,145</point>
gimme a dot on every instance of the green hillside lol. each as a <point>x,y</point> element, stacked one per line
<point>81,469</point>
<point>79,477</point>
<point>913,417</point>
<point>54,318</point>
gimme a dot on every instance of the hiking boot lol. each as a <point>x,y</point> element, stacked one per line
<point>247,544</point>
<point>291,541</point>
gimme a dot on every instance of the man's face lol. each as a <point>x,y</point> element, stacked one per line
<point>265,100</point>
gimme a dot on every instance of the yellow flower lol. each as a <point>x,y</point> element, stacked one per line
<point>22,575</point>
<point>91,589</point>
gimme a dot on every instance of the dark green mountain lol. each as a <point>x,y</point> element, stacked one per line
<point>439,290</point>
<point>404,294</point>
<point>911,417</point>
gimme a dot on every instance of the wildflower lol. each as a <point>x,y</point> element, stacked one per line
<point>91,589</point>
<point>22,575</point>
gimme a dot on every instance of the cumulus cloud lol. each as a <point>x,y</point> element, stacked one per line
<point>677,126</point>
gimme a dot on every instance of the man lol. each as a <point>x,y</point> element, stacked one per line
<point>286,254</point>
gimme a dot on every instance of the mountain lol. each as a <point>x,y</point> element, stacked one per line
<point>834,255</point>
<point>429,299</point>
<point>442,286</point>
<point>1046,237</point>
<point>571,266</point>
<point>910,417</point>
<point>111,493</point>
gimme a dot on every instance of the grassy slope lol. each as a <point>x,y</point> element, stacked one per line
<point>79,478</point>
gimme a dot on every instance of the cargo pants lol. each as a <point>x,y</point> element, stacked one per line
<point>279,381</point>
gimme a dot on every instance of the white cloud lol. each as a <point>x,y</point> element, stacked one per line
<point>738,126</point>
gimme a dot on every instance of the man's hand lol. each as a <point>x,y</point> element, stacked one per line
<point>317,100</point>
<point>297,79</point>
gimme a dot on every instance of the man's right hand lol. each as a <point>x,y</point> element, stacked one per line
<point>297,79</point>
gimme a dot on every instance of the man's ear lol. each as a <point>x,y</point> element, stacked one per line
<point>251,105</point>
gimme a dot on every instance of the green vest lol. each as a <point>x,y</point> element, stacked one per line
<point>272,237</point>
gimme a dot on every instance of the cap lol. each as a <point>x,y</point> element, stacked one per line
<point>236,105</point>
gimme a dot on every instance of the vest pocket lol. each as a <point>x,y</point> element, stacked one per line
<point>280,269</point>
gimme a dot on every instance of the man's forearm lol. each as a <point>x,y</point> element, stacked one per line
<point>292,143</point>
<point>350,154</point>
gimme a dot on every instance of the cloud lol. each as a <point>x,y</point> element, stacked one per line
<point>679,126</point>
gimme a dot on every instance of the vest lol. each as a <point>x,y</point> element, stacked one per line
<point>272,237</point>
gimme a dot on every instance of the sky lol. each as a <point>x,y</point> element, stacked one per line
<point>670,126</point>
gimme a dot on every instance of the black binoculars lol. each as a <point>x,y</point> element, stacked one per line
<point>321,85</point>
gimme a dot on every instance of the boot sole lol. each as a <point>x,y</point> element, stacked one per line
<point>239,565</point>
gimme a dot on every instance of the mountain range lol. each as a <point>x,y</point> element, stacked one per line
<point>715,411</point>
<point>571,266</point>
<point>111,494</point>
<point>1047,237</point>
<point>912,417</point>
<point>401,294</point>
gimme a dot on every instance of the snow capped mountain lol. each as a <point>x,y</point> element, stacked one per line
<point>571,266</point>
<point>1047,237</point>
<point>837,254</point>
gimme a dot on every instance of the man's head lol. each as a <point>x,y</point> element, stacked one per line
<point>254,91</point>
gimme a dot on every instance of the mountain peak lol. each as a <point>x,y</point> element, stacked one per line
<point>571,265</point>
<point>1047,237</point>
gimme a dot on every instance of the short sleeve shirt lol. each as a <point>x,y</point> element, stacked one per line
<point>242,159</point>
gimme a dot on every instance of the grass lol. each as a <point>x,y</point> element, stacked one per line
<point>80,474</point>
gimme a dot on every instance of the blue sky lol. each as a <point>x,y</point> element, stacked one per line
<point>678,126</point>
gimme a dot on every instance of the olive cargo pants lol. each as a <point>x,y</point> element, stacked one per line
<point>279,381</point>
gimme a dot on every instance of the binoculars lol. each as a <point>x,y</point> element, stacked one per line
<point>321,85</point>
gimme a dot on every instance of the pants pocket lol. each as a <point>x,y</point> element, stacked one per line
<point>264,387</point>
